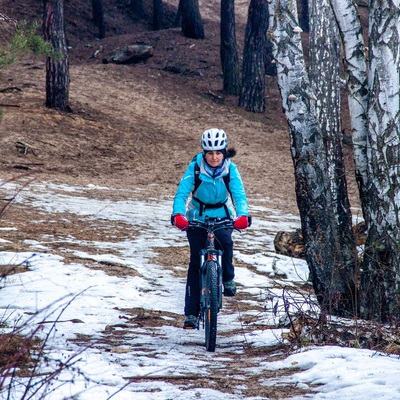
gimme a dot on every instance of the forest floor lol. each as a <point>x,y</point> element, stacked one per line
<point>133,125</point>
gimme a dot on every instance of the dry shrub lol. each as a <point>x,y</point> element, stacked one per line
<point>308,326</point>
<point>16,352</point>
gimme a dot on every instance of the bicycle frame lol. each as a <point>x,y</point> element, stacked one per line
<point>211,278</point>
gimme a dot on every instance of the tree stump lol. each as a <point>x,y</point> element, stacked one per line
<point>291,244</point>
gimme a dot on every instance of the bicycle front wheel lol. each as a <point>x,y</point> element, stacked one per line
<point>211,303</point>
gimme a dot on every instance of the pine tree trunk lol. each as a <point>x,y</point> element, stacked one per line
<point>137,8</point>
<point>380,279</point>
<point>178,16</point>
<point>228,49</point>
<point>57,69</point>
<point>157,15</point>
<point>254,55</point>
<point>98,17</point>
<point>192,24</point>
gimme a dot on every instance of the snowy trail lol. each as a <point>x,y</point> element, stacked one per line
<point>130,324</point>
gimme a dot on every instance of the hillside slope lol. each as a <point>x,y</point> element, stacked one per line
<point>137,125</point>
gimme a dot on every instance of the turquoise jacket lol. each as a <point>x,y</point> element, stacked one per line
<point>210,191</point>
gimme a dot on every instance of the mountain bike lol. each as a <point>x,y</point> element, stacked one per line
<point>210,278</point>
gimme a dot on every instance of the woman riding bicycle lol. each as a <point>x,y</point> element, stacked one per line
<point>210,178</point>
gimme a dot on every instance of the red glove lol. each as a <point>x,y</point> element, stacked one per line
<point>181,222</point>
<point>241,222</point>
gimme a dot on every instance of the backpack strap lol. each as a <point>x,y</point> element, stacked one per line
<point>227,179</point>
<point>204,206</point>
<point>197,180</point>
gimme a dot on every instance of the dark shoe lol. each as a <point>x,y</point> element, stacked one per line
<point>190,322</point>
<point>229,288</point>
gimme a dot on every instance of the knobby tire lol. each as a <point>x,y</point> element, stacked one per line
<point>211,300</point>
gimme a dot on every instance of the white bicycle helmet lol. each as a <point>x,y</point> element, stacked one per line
<point>214,139</point>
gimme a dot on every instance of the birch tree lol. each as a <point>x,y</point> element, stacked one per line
<point>374,102</point>
<point>325,79</point>
<point>347,16</point>
<point>380,280</point>
<point>313,191</point>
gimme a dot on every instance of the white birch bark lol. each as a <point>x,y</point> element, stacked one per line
<point>324,73</point>
<point>346,13</point>
<point>309,158</point>
<point>380,281</point>
<point>383,112</point>
<point>375,118</point>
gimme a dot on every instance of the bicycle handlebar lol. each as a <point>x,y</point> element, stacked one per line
<point>213,224</point>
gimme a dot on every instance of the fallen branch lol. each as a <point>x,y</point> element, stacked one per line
<point>31,164</point>
<point>24,148</point>
<point>27,167</point>
<point>10,88</point>
<point>4,17</point>
<point>215,96</point>
<point>23,167</point>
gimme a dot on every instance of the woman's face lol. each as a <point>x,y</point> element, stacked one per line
<point>214,158</point>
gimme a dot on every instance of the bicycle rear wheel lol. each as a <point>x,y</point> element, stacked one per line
<point>211,303</point>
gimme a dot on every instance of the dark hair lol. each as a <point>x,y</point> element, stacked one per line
<point>228,153</point>
<point>231,152</point>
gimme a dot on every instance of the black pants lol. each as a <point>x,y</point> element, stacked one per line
<point>197,239</point>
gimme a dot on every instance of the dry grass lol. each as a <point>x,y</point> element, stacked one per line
<point>16,353</point>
